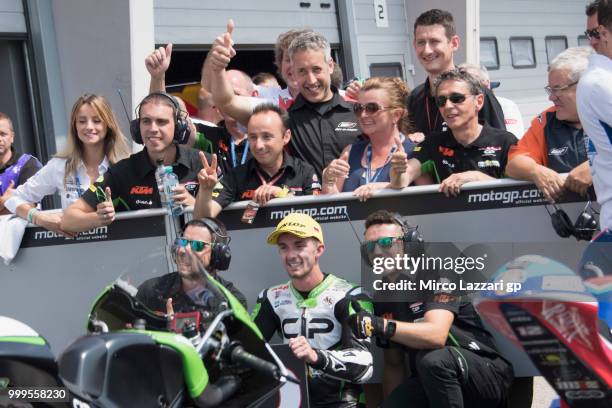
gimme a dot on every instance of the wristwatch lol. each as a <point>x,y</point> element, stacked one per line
<point>390,329</point>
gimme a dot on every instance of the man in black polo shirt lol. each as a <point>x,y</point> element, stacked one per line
<point>453,360</point>
<point>435,42</point>
<point>132,181</point>
<point>271,173</point>
<point>466,151</point>
<point>322,123</point>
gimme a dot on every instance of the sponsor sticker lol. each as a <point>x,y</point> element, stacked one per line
<point>347,127</point>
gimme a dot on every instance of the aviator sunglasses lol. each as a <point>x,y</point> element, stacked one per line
<point>196,246</point>
<point>370,108</point>
<point>385,243</point>
<point>454,97</point>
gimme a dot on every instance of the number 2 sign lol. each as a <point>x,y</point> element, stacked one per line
<point>380,13</point>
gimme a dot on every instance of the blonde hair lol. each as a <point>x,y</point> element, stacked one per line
<point>397,92</point>
<point>115,145</point>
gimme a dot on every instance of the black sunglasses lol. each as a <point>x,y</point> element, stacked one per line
<point>196,246</point>
<point>454,97</point>
<point>370,108</point>
<point>593,33</point>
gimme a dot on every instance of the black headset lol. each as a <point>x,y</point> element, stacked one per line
<point>220,255</point>
<point>583,229</point>
<point>181,126</point>
<point>412,238</point>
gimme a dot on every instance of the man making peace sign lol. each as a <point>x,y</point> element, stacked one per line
<point>271,173</point>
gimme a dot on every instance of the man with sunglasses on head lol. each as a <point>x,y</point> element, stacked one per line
<point>453,361</point>
<point>556,143</point>
<point>466,151</point>
<point>308,312</point>
<point>594,101</point>
<point>591,32</point>
<point>185,290</point>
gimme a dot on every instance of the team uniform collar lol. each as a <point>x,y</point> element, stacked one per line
<point>322,107</point>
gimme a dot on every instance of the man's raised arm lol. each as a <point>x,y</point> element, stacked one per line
<point>238,107</point>
<point>157,64</point>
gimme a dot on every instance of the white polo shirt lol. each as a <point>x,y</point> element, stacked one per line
<point>49,180</point>
<point>594,102</point>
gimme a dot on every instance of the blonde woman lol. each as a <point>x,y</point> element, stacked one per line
<point>94,143</point>
<point>364,166</point>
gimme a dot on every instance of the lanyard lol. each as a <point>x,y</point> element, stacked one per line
<point>368,172</point>
<point>272,181</point>
<point>233,152</point>
<point>429,125</point>
<point>78,185</point>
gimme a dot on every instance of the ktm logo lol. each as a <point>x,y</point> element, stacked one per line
<point>445,151</point>
<point>141,190</point>
<point>248,194</point>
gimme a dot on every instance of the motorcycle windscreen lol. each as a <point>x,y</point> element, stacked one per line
<point>119,309</point>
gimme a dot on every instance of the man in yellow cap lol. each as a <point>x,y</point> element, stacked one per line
<point>308,313</point>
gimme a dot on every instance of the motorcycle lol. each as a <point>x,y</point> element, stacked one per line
<point>554,318</point>
<point>133,356</point>
<point>26,363</point>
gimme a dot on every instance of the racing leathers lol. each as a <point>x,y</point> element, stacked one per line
<point>343,360</point>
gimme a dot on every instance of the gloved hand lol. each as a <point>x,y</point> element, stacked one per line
<point>363,323</point>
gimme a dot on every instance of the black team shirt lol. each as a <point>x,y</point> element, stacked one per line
<point>426,117</point>
<point>240,184</point>
<point>441,155</point>
<point>132,180</point>
<point>319,131</point>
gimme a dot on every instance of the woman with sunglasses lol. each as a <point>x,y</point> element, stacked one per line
<point>364,166</point>
<point>94,143</point>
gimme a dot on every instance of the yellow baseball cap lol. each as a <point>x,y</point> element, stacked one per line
<point>298,224</point>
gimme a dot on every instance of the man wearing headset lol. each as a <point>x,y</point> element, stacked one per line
<point>185,290</point>
<point>130,184</point>
<point>453,361</point>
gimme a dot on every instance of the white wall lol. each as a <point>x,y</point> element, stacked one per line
<point>198,22</point>
<point>505,18</point>
<point>94,46</point>
<point>382,44</point>
<point>12,19</point>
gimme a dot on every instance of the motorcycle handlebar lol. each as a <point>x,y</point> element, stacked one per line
<point>215,394</point>
<point>240,355</point>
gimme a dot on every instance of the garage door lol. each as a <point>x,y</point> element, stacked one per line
<point>197,22</point>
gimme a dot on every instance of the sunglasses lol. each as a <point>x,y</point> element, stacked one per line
<point>196,246</point>
<point>370,108</point>
<point>454,97</point>
<point>385,243</point>
<point>593,33</point>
